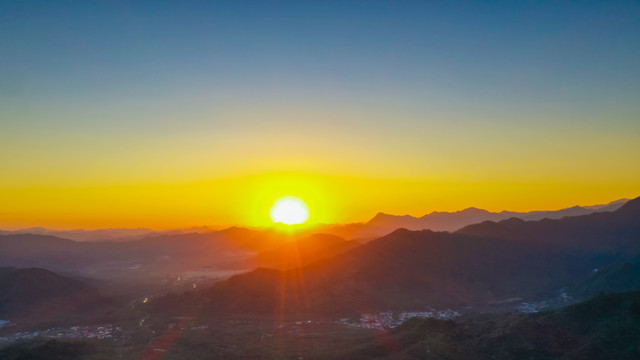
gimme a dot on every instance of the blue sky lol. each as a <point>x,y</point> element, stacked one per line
<point>492,51</point>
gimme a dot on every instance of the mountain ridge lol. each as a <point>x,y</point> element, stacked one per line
<point>408,269</point>
<point>451,221</point>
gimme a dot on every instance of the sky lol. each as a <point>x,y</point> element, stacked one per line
<point>175,114</point>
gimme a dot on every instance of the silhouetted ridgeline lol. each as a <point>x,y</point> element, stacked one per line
<point>382,224</point>
<point>477,266</point>
<point>451,221</point>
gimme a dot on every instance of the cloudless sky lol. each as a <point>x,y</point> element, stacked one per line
<point>151,112</point>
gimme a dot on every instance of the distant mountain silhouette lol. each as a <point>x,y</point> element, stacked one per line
<point>221,248</point>
<point>478,265</point>
<point>86,235</point>
<point>612,206</point>
<point>304,251</point>
<point>37,295</point>
<point>116,235</point>
<point>451,221</point>
<point>604,232</point>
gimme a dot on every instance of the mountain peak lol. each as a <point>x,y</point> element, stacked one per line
<point>382,219</point>
<point>631,207</point>
<point>400,231</point>
<point>474,210</point>
<point>378,216</point>
<point>512,221</point>
<point>575,207</point>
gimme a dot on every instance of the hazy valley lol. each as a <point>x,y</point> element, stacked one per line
<point>300,292</point>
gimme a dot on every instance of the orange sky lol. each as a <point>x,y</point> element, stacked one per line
<point>247,200</point>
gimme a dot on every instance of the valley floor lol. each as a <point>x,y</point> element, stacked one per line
<point>605,327</point>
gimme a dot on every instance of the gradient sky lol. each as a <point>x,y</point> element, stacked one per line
<point>172,114</point>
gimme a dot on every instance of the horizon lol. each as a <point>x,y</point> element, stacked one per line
<point>305,228</point>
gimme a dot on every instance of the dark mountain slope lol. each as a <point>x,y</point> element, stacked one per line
<point>38,295</point>
<point>607,233</point>
<point>304,251</point>
<point>479,265</point>
<point>605,327</point>
<point>617,277</point>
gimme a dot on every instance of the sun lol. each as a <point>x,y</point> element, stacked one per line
<point>289,210</point>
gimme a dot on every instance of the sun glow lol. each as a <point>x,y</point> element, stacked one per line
<point>289,210</point>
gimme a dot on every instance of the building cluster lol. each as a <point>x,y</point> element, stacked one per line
<point>388,319</point>
<point>533,307</point>
<point>107,331</point>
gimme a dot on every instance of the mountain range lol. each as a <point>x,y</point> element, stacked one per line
<point>479,265</point>
<point>232,249</point>
<point>451,221</point>
<point>485,270</point>
<point>118,235</point>
<point>380,224</point>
